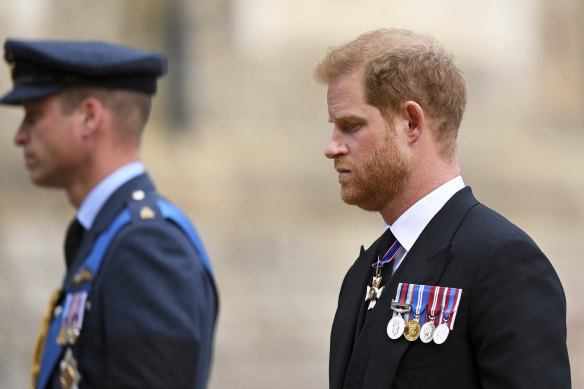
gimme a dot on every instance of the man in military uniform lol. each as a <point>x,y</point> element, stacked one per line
<point>469,300</point>
<point>138,304</point>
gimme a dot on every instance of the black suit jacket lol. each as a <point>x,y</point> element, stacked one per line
<point>151,314</point>
<point>510,329</point>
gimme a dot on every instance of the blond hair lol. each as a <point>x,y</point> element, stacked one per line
<point>399,66</point>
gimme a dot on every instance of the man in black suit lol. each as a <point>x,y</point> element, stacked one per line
<point>138,304</point>
<point>396,100</point>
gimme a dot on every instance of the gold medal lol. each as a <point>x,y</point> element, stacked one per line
<point>413,327</point>
<point>70,375</point>
<point>412,330</point>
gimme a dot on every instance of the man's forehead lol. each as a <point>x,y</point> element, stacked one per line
<point>41,101</point>
<point>347,105</point>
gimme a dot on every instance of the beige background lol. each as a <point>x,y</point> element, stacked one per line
<point>237,140</point>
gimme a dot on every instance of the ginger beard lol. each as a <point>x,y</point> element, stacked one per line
<point>378,180</point>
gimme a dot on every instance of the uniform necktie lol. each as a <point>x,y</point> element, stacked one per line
<point>73,241</point>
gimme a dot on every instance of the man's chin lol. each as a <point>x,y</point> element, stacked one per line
<point>42,180</point>
<point>360,200</point>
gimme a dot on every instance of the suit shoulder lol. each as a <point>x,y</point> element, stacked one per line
<point>484,224</point>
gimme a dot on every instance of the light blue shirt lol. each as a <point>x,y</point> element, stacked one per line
<point>408,227</point>
<point>95,200</point>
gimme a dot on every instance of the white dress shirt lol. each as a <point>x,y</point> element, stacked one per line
<point>408,227</point>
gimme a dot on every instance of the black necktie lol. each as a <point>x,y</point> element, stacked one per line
<point>385,242</point>
<point>73,241</point>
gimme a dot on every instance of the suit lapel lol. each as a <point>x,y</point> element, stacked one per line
<point>349,317</point>
<point>375,357</point>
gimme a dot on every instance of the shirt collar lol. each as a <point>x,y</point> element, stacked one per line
<point>92,204</point>
<point>408,227</point>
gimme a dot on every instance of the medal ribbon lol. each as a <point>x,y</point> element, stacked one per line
<point>438,304</point>
<point>402,293</point>
<point>454,310</point>
<point>431,303</point>
<point>422,292</point>
<point>445,301</point>
<point>401,288</point>
<point>410,295</point>
<point>450,306</point>
<point>389,255</point>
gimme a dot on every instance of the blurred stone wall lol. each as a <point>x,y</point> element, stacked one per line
<point>237,139</point>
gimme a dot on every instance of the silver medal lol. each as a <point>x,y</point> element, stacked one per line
<point>427,332</point>
<point>397,324</point>
<point>441,333</point>
<point>395,327</point>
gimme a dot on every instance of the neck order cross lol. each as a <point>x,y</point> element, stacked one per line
<point>374,290</point>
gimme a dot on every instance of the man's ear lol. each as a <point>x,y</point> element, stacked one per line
<point>92,113</point>
<point>414,114</point>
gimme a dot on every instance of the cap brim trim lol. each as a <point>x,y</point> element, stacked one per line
<point>23,93</point>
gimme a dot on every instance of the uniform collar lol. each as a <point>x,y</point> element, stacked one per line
<point>95,200</point>
<point>408,227</point>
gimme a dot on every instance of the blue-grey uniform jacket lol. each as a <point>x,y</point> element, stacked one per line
<point>150,317</point>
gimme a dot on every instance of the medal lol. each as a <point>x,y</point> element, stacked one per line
<point>441,333</point>
<point>70,375</point>
<point>373,292</point>
<point>62,337</point>
<point>451,299</point>
<point>412,329</point>
<point>69,332</point>
<point>427,331</point>
<point>396,326</point>
<point>72,320</point>
<point>401,305</point>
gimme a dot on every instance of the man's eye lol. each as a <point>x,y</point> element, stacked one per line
<point>351,127</point>
<point>30,117</point>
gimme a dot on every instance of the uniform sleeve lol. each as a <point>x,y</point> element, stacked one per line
<point>158,305</point>
<point>518,320</point>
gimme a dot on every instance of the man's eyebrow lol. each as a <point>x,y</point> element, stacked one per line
<point>346,118</point>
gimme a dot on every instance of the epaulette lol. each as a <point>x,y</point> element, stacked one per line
<point>143,207</point>
<point>148,206</point>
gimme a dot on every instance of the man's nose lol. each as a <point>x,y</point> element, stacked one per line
<point>21,136</point>
<point>336,146</point>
